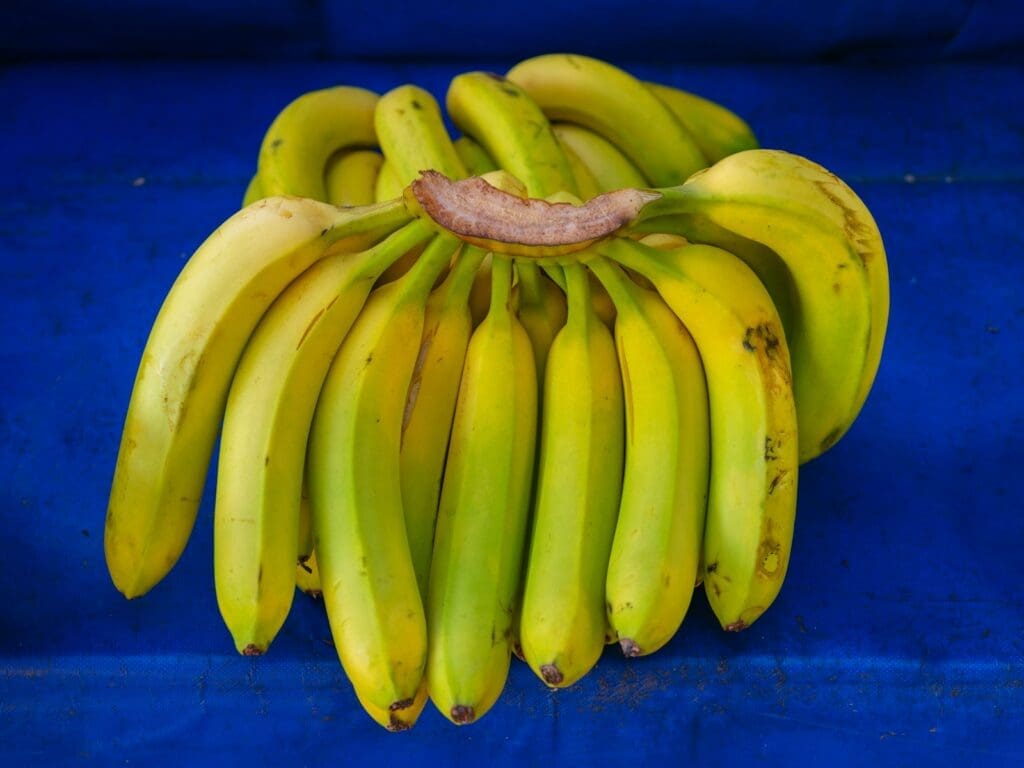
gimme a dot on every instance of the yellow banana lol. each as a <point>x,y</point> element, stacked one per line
<point>266,427</point>
<point>481,525</point>
<point>752,494</point>
<point>350,177</point>
<point>821,257</point>
<point>430,406</point>
<point>656,548</point>
<point>610,168</point>
<point>718,131</point>
<point>307,132</point>
<point>186,368</point>
<point>613,103</point>
<point>512,129</point>
<point>366,569</point>
<point>562,621</point>
<point>413,137</point>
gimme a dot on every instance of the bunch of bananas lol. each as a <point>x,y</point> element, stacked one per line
<point>516,391</point>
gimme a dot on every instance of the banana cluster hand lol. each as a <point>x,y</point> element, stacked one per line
<point>516,391</point>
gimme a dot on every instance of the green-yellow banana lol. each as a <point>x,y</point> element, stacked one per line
<point>266,427</point>
<point>752,493</point>
<point>481,526</point>
<point>366,570</point>
<point>656,547</point>
<point>562,621</point>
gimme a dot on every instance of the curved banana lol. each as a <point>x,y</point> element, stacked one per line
<point>430,406</point>
<point>366,569</point>
<point>610,168</point>
<point>350,177</point>
<point>481,524</point>
<point>186,368</point>
<point>613,103</point>
<point>748,529</point>
<point>266,427</point>
<point>823,260</point>
<point>656,547</point>
<point>562,620</point>
<point>512,129</point>
<point>304,135</point>
<point>412,135</point>
<point>718,131</point>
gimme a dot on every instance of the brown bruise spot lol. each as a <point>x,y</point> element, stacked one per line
<point>769,557</point>
<point>776,480</point>
<point>551,674</point>
<point>477,212</point>
<point>462,715</point>
<point>831,439</point>
<point>764,333</point>
<point>711,567</point>
<point>400,704</point>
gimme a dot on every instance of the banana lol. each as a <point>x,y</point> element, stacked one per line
<point>307,577</point>
<point>388,187</point>
<point>266,427</point>
<point>301,139</point>
<point>656,547</point>
<point>350,177</point>
<point>183,378</point>
<point>718,131</point>
<point>481,525</point>
<point>512,129</point>
<point>474,157</point>
<point>562,621</point>
<point>430,406</point>
<point>752,492</point>
<point>366,569</point>
<point>413,137</point>
<point>609,167</point>
<point>614,104</point>
<point>823,260</point>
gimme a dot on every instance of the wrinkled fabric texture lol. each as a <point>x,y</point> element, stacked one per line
<point>898,637</point>
<point>690,30</point>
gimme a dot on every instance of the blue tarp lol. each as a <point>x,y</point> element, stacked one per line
<point>899,634</point>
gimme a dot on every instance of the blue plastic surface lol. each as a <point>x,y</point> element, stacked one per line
<point>898,638</point>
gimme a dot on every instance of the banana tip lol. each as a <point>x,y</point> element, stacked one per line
<point>736,626</point>
<point>252,650</point>
<point>462,715</point>
<point>551,674</point>
<point>629,648</point>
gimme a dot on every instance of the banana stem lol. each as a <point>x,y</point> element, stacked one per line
<point>501,287</point>
<point>613,279</point>
<point>577,286</point>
